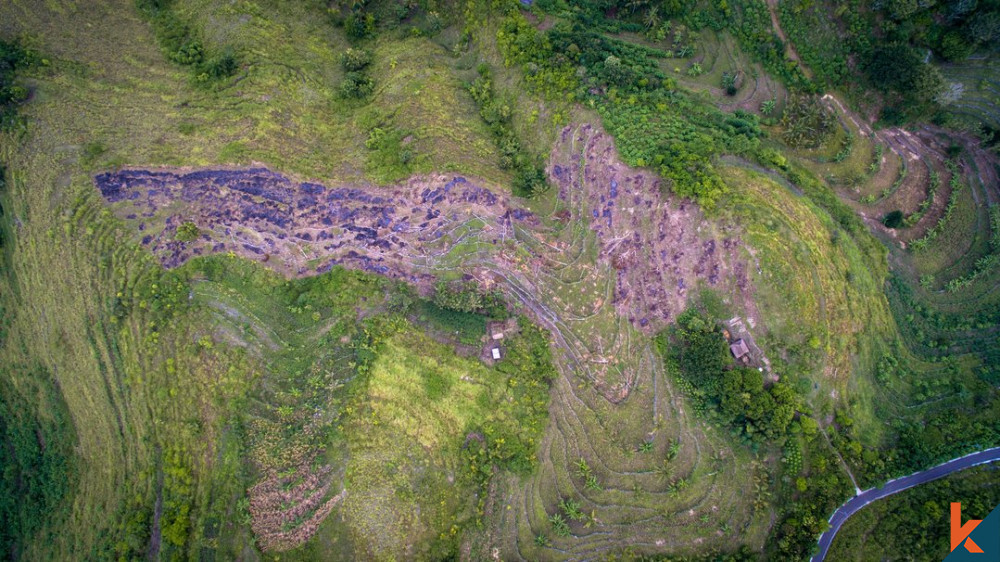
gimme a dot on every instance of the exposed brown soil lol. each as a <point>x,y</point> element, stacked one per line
<point>287,511</point>
<point>659,247</point>
<point>303,228</point>
<point>652,249</point>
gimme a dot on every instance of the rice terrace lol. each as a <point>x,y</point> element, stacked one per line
<point>510,280</point>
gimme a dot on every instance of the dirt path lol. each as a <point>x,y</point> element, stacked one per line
<point>772,7</point>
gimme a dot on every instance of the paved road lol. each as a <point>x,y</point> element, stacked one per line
<point>898,485</point>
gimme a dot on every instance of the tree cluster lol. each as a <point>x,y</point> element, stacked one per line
<point>12,57</point>
<point>357,82</point>
<point>182,45</point>
<point>497,112</point>
<point>738,395</point>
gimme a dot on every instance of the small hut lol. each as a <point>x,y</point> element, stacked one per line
<point>739,348</point>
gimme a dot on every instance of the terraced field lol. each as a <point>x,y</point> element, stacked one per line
<point>976,81</point>
<point>589,286</point>
<point>716,52</point>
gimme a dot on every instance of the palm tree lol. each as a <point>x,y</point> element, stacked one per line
<point>652,19</point>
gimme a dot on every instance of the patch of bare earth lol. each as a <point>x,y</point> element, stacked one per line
<point>658,247</point>
<point>652,248</point>
<point>286,510</point>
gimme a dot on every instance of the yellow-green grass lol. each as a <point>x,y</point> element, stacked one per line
<point>817,296</point>
<point>405,486</point>
<point>632,497</point>
<point>282,108</point>
<point>68,258</point>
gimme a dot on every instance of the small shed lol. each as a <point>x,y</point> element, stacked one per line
<point>739,348</point>
<point>497,335</point>
<point>496,353</point>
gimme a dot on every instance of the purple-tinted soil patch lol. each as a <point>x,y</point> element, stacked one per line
<point>264,215</point>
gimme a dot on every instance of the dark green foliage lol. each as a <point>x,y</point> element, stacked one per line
<point>359,25</point>
<point>737,394</point>
<point>496,111</point>
<point>356,85</point>
<point>910,84</point>
<point>181,44</point>
<point>91,152</point>
<point>467,327</point>
<point>458,296</point>
<point>954,46</point>
<point>804,514</point>
<point>913,525</point>
<point>36,459</point>
<point>816,40</point>
<point>985,27</point>
<point>806,122</point>
<point>529,180</point>
<point>187,232</point>
<point>729,80</point>
<point>222,65</point>
<point>893,219</point>
<point>12,58</point>
<point>510,440</point>
<point>653,123</point>
<point>355,59</point>
<point>750,22</point>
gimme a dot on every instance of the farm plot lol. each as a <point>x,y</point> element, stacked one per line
<point>716,53</point>
<point>849,155</point>
<point>601,290</point>
<point>643,473</point>
<point>975,86</point>
<point>921,194</point>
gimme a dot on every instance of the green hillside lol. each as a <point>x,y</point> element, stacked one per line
<point>258,259</point>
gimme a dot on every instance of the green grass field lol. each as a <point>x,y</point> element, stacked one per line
<point>222,411</point>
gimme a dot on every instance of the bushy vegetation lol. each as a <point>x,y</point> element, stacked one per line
<point>37,460</point>
<point>737,395</point>
<point>510,436</point>
<point>182,45</point>
<point>912,524</point>
<point>654,124</point>
<point>806,122</point>
<point>12,57</point>
<point>357,82</point>
<point>207,379</point>
<point>497,111</point>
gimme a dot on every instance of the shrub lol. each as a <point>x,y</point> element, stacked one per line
<point>222,65</point>
<point>806,122</point>
<point>893,219</point>
<point>355,59</point>
<point>729,82</point>
<point>356,85</point>
<point>359,25</point>
<point>187,232</point>
<point>529,181</point>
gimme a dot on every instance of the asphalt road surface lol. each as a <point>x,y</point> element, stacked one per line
<point>898,485</point>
